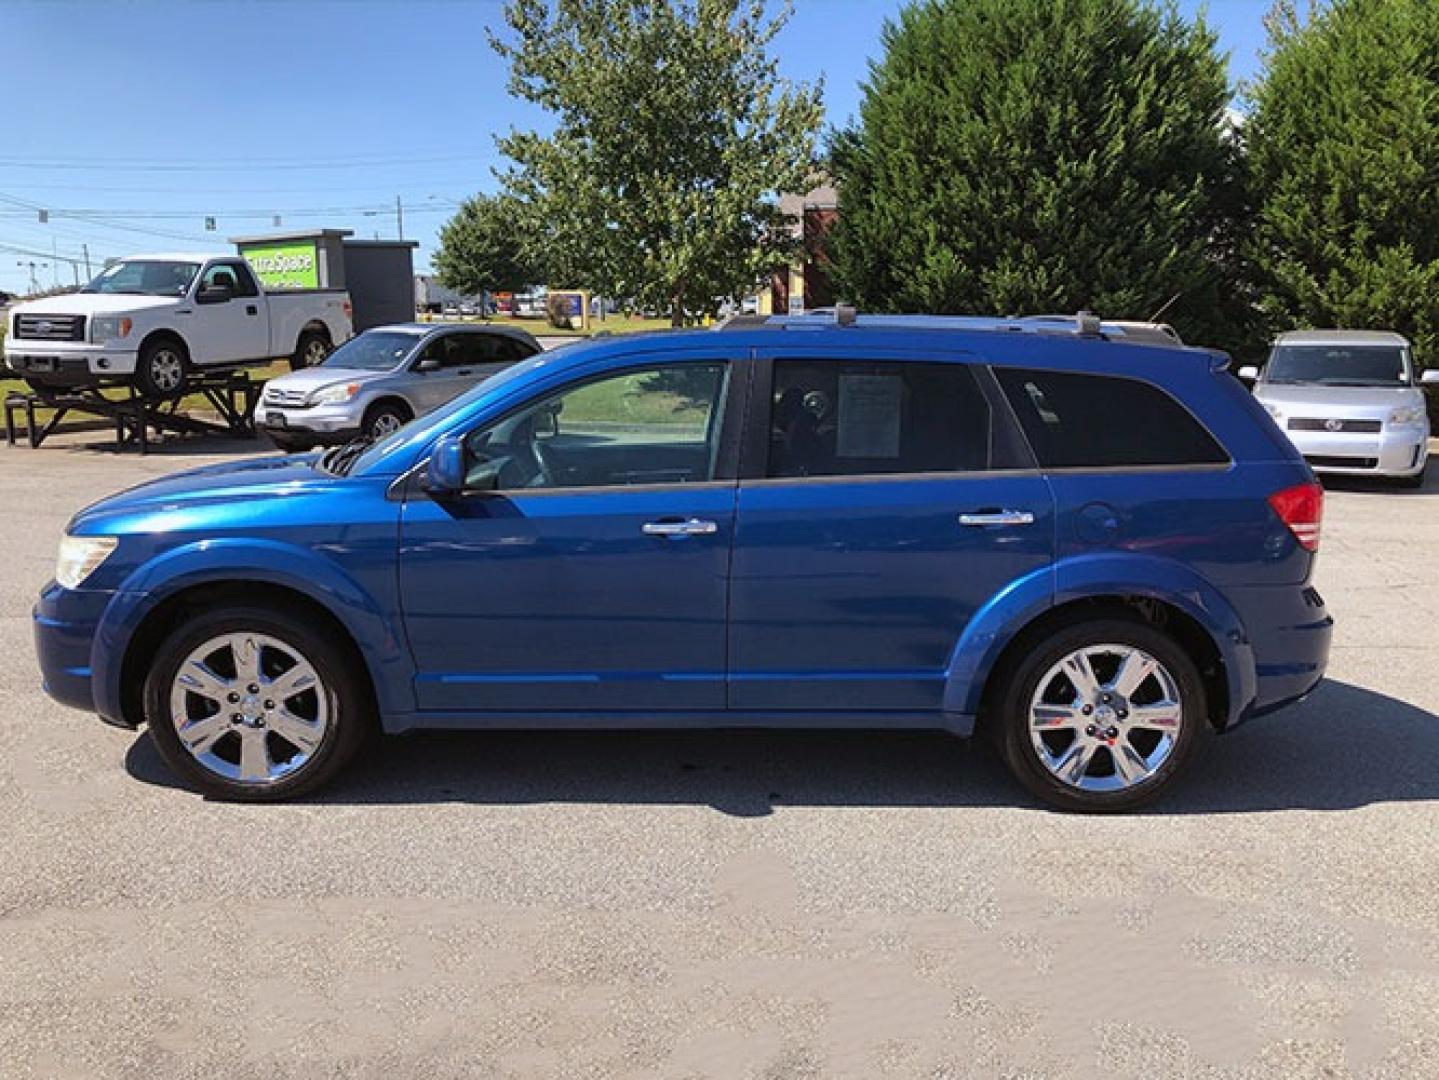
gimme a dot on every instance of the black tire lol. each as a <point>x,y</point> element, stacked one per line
<point>384,417</point>
<point>163,369</point>
<point>1020,682</point>
<point>343,686</point>
<point>290,444</point>
<point>313,347</point>
<point>1412,482</point>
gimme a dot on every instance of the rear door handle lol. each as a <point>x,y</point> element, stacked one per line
<point>998,517</point>
<point>687,527</point>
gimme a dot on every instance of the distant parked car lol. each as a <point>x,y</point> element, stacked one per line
<point>1348,399</point>
<point>378,381</point>
<point>153,321</point>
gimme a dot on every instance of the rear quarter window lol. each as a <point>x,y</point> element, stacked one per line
<point>1078,420</point>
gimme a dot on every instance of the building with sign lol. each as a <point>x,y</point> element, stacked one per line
<point>804,283</point>
<point>378,274</point>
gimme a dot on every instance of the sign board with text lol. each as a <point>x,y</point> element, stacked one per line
<point>285,266</point>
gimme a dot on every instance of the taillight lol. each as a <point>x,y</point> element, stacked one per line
<point>1301,507</point>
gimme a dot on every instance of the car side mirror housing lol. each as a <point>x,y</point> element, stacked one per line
<point>427,365</point>
<point>214,294</point>
<point>1248,373</point>
<point>445,471</point>
<point>1430,377</point>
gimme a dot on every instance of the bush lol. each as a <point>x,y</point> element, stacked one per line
<point>557,310</point>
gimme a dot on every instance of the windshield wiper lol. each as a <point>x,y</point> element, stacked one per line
<point>342,459</point>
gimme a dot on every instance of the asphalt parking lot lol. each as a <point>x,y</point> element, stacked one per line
<point>732,904</point>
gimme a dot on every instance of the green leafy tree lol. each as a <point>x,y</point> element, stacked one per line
<point>481,249</point>
<point>1035,156</point>
<point>673,133</point>
<point>1343,142</point>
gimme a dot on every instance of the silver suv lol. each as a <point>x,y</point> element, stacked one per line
<point>1349,401</point>
<point>384,378</point>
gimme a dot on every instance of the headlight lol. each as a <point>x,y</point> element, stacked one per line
<point>105,328</point>
<point>1406,416</point>
<point>80,556</point>
<point>333,395</point>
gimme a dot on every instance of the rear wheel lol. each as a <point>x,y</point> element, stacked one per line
<point>254,705</point>
<point>385,418</point>
<point>314,346</point>
<point>1101,715</point>
<point>162,369</point>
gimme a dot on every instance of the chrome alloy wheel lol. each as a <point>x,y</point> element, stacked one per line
<point>249,708</point>
<point>315,351</point>
<point>166,369</point>
<point>1105,718</point>
<point>387,423</point>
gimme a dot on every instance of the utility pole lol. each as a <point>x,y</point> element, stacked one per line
<point>86,249</point>
<point>399,218</point>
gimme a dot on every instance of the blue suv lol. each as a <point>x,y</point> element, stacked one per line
<point>1095,550</point>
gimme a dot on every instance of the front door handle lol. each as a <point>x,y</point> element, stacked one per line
<point>998,517</point>
<point>251,309</point>
<point>687,527</point>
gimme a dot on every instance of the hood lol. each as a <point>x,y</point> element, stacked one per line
<point>174,502</point>
<point>94,304</point>
<point>1317,399</point>
<point>308,380</point>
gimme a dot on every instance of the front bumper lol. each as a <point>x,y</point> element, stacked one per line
<point>340,421</point>
<point>62,363</point>
<point>65,623</point>
<point>1393,452</point>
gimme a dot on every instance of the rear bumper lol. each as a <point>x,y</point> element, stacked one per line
<point>1289,630</point>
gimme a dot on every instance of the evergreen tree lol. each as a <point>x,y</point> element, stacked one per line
<point>1039,156</point>
<point>1343,142</point>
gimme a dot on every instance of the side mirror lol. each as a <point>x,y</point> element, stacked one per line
<point>215,294</point>
<point>427,365</point>
<point>1248,373</point>
<point>445,471</point>
<point>1430,377</point>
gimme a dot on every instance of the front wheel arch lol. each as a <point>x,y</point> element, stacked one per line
<point>157,624</point>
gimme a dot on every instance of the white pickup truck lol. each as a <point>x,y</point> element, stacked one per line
<point>155,320</point>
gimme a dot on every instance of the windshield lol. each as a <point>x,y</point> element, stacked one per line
<point>1340,365</point>
<point>374,350</point>
<point>423,428</point>
<point>145,277</point>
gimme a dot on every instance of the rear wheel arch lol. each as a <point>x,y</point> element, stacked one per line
<point>161,620</point>
<point>1178,624</point>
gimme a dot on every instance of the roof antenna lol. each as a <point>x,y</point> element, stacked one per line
<point>1167,305</point>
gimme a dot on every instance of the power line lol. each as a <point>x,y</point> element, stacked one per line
<point>115,165</point>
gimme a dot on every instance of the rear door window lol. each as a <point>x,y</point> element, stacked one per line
<point>1076,420</point>
<point>853,418</point>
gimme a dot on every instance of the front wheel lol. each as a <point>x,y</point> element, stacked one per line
<point>254,705</point>
<point>162,369</point>
<point>385,418</point>
<point>1102,715</point>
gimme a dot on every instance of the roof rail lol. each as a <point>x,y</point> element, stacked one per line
<point>1083,324</point>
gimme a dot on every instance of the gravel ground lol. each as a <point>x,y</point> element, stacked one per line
<point>731,905</point>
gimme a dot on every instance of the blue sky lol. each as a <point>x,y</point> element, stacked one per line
<point>143,118</point>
